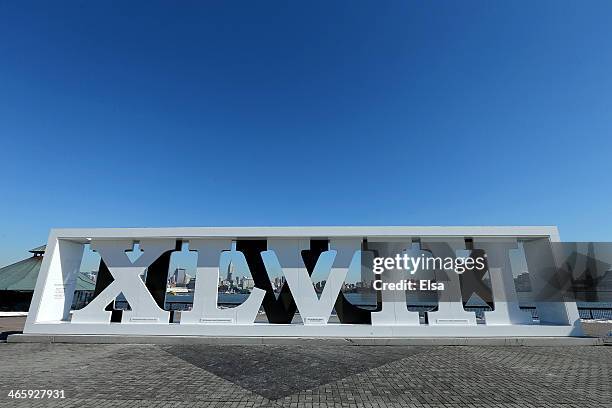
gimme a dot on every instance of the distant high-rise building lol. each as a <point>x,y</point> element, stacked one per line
<point>248,283</point>
<point>231,269</point>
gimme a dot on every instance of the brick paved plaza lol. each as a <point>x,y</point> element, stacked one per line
<point>307,376</point>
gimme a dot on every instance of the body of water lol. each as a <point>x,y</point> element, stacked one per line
<point>369,299</point>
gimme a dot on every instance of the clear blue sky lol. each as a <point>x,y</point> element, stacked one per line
<point>122,114</point>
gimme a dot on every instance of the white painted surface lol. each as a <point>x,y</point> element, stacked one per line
<point>450,306</point>
<point>49,315</point>
<point>126,275</point>
<point>210,261</point>
<point>394,310</point>
<point>295,330</point>
<point>507,310</point>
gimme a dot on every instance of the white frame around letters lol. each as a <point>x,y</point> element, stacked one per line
<point>50,308</point>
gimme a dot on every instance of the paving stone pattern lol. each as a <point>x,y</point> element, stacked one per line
<point>95,375</point>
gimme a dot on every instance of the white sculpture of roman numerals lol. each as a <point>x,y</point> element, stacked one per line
<point>215,255</point>
<point>507,310</point>
<point>394,307</point>
<point>126,275</point>
<point>450,304</point>
<point>542,267</point>
<point>284,256</point>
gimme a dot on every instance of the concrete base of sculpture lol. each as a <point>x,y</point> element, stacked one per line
<point>299,330</point>
<point>534,341</point>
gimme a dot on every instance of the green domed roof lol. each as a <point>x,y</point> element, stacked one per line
<point>22,275</point>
